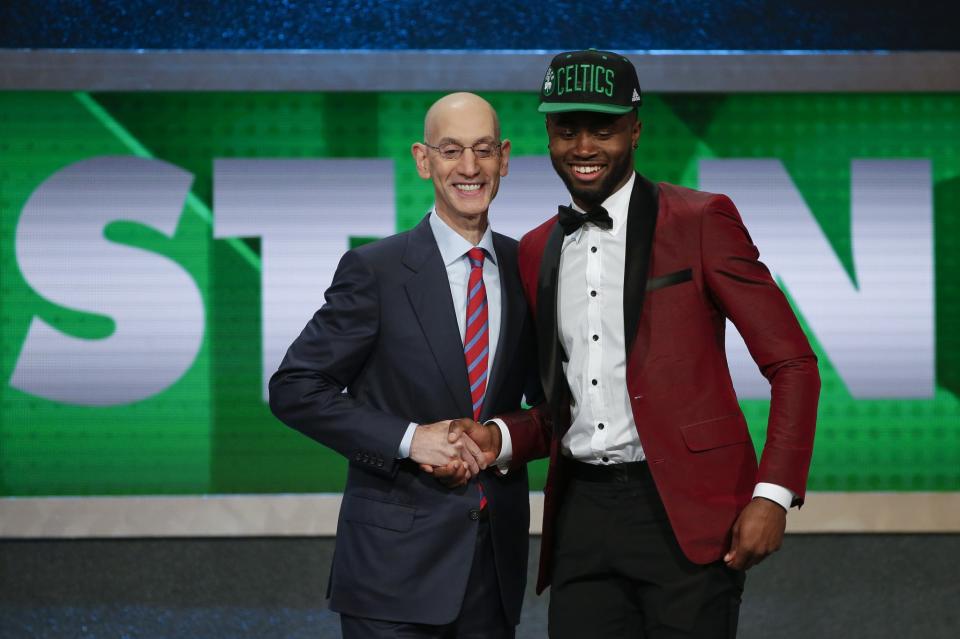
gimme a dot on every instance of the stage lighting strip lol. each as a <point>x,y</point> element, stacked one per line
<point>316,515</point>
<point>477,70</point>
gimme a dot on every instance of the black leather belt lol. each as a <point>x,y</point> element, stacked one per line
<point>608,473</point>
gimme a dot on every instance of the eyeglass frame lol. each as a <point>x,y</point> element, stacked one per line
<point>495,148</point>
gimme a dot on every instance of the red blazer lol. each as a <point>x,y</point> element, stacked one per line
<point>690,265</point>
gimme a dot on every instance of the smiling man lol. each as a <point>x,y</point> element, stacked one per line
<point>419,328</point>
<point>655,505</point>
<point>463,156</point>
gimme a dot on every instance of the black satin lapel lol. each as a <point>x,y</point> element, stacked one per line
<point>512,306</point>
<point>548,338</point>
<point>641,222</point>
<point>429,294</point>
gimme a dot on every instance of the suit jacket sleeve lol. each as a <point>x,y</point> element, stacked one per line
<point>531,432</point>
<point>743,289</point>
<point>306,393</point>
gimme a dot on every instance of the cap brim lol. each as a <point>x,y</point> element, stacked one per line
<point>566,107</point>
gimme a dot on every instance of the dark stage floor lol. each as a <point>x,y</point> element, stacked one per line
<point>818,586</point>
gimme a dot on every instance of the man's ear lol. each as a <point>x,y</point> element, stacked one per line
<point>504,158</point>
<point>547,125</point>
<point>419,152</point>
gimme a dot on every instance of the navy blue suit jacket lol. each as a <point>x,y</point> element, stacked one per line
<point>388,333</point>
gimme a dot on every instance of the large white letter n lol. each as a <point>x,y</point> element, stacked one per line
<point>878,331</point>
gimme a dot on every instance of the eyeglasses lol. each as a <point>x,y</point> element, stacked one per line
<point>453,151</point>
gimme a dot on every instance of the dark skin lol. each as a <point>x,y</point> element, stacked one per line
<point>757,533</point>
<point>593,153</point>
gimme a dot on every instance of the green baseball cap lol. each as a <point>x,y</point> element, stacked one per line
<point>590,80</point>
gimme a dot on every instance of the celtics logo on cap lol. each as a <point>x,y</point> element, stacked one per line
<point>590,80</point>
<point>548,82</point>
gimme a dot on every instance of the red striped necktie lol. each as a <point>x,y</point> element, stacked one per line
<point>476,341</point>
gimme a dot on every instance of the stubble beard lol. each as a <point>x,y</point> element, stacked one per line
<point>594,196</point>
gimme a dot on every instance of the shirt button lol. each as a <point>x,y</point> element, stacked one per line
<point>593,249</point>
<point>593,293</point>
<point>596,337</point>
<point>593,381</point>
<point>600,426</point>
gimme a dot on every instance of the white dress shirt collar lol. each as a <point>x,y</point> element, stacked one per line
<point>454,246</point>
<point>617,205</point>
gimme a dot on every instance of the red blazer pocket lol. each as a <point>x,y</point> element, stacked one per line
<point>670,279</point>
<point>716,433</point>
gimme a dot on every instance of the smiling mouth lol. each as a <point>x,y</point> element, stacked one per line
<point>468,188</point>
<point>587,171</point>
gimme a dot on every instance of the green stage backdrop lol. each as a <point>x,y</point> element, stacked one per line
<point>209,431</point>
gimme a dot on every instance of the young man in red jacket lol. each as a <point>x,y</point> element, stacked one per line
<point>655,505</point>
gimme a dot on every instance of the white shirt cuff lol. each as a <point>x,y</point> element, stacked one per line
<point>506,446</point>
<point>777,494</point>
<point>407,440</point>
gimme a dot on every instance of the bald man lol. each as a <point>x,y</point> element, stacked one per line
<point>420,328</point>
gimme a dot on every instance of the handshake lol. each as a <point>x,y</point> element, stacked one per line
<point>453,451</point>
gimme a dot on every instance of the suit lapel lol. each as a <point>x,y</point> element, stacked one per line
<point>511,321</point>
<point>641,221</point>
<point>429,294</point>
<point>548,337</point>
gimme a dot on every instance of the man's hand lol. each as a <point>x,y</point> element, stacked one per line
<point>481,446</point>
<point>757,533</point>
<point>487,440</point>
<point>436,444</point>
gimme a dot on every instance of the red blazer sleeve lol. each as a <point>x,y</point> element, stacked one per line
<point>531,432</point>
<point>744,290</point>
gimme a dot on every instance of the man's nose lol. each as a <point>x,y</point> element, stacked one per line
<point>584,144</point>
<point>468,163</point>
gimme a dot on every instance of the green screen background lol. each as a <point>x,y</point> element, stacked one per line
<point>211,432</point>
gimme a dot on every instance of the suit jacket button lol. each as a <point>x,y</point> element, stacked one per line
<point>474,514</point>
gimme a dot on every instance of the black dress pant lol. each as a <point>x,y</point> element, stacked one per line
<point>481,615</point>
<point>619,572</point>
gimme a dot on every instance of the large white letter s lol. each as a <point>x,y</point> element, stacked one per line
<point>154,302</point>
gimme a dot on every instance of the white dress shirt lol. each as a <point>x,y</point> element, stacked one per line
<point>591,330</point>
<point>590,323</point>
<point>453,250</point>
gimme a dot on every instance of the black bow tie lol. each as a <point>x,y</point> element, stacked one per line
<point>572,219</point>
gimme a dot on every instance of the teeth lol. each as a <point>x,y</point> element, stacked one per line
<point>586,169</point>
<point>468,187</point>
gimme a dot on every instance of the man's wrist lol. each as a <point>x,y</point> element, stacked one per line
<point>496,437</point>
<point>504,445</point>
<point>779,495</point>
<point>770,501</point>
<point>404,449</point>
